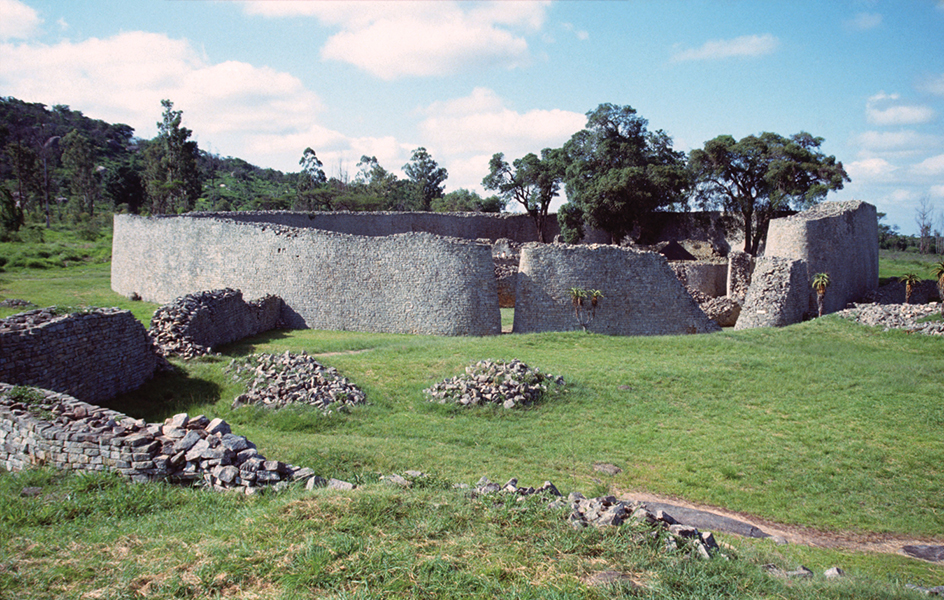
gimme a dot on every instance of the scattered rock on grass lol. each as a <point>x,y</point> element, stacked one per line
<point>277,380</point>
<point>511,384</point>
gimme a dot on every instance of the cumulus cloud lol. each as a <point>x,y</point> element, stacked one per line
<point>744,46</point>
<point>933,166</point>
<point>870,169</point>
<point>467,131</point>
<point>17,20</point>
<point>884,109</point>
<point>903,141</point>
<point>865,21</point>
<point>123,79</point>
<point>391,40</point>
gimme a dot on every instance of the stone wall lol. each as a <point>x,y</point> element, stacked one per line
<point>642,296</point>
<point>40,427</point>
<point>408,283</point>
<point>196,323</point>
<point>838,238</point>
<point>708,278</point>
<point>778,294</point>
<point>94,356</point>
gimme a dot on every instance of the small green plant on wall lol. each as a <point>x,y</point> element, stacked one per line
<point>820,283</point>
<point>581,298</point>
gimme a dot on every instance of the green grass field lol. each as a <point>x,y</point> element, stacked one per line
<point>827,425</point>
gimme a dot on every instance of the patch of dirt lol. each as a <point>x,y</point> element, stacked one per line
<point>885,543</point>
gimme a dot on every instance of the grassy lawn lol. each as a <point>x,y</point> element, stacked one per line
<point>826,424</point>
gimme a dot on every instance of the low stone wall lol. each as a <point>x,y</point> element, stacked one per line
<point>838,238</point>
<point>740,269</point>
<point>408,283</point>
<point>778,294</point>
<point>642,296</point>
<point>708,278</point>
<point>40,427</point>
<point>94,356</point>
<point>197,323</point>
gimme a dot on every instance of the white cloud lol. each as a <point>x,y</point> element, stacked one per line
<point>883,109</point>
<point>937,191</point>
<point>748,45</point>
<point>481,123</point>
<point>420,39</point>
<point>903,141</point>
<point>463,133</point>
<point>865,21</point>
<point>870,169</point>
<point>934,85</point>
<point>123,79</point>
<point>17,20</point>
<point>933,166</point>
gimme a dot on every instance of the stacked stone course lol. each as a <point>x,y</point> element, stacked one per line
<point>194,324</point>
<point>94,355</point>
<point>642,296</point>
<point>50,428</point>
<point>778,295</point>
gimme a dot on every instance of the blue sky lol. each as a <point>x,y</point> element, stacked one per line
<point>264,80</point>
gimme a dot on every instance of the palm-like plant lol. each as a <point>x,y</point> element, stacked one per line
<point>910,280</point>
<point>820,283</point>
<point>577,297</point>
<point>595,296</point>
<point>937,271</point>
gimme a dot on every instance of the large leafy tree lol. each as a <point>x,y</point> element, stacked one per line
<point>427,177</point>
<point>78,159</point>
<point>760,175</point>
<point>172,178</point>
<point>531,181</point>
<point>618,172</point>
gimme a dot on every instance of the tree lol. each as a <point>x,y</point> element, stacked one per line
<point>910,280</point>
<point>79,161</point>
<point>820,283</point>
<point>618,173</point>
<point>463,200</point>
<point>531,181</point>
<point>924,215</point>
<point>26,170</point>
<point>937,271</point>
<point>760,175</point>
<point>427,177</point>
<point>172,177</point>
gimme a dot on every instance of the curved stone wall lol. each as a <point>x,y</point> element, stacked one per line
<point>642,296</point>
<point>406,283</point>
<point>839,238</point>
<point>93,356</point>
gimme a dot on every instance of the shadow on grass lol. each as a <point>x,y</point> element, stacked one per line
<point>247,346</point>
<point>165,395</point>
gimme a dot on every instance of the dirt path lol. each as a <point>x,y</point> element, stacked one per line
<point>807,536</point>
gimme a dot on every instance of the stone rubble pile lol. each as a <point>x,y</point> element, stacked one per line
<point>897,316</point>
<point>277,380</point>
<point>15,303</point>
<point>43,427</point>
<point>510,384</point>
<point>192,325</point>
<point>723,310</point>
<point>32,318</point>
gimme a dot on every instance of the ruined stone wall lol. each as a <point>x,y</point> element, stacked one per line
<point>778,294</point>
<point>642,296</point>
<point>838,238</point>
<point>407,283</point>
<point>708,278</point>
<point>94,356</point>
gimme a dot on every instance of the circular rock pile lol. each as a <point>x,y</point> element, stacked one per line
<point>277,380</point>
<point>510,384</point>
<point>896,316</point>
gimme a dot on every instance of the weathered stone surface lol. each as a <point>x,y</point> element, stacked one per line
<point>778,295</point>
<point>724,310</point>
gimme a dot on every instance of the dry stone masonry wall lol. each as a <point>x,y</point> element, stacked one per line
<point>642,296</point>
<point>407,283</point>
<point>94,355</point>
<point>778,295</point>
<point>41,427</point>
<point>194,324</point>
<point>838,238</point>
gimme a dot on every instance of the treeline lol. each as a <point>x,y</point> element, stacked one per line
<point>57,164</point>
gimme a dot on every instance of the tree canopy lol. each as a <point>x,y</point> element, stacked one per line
<point>531,181</point>
<point>427,177</point>
<point>172,178</point>
<point>617,173</point>
<point>760,175</point>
